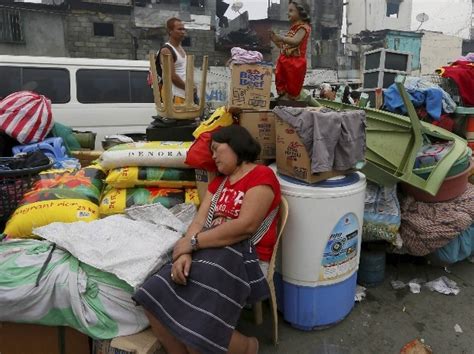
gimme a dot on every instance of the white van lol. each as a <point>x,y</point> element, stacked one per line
<point>101,95</point>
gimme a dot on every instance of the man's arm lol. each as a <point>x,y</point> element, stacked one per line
<point>177,81</point>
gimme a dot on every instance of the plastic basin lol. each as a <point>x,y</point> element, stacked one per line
<point>459,166</point>
<point>451,188</point>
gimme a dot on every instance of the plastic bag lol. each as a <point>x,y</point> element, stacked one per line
<point>382,215</point>
<point>199,155</point>
<point>220,118</point>
<point>26,116</point>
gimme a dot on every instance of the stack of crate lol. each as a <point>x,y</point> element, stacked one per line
<point>381,66</point>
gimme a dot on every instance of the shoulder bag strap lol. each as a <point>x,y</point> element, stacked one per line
<point>264,226</point>
<point>212,208</point>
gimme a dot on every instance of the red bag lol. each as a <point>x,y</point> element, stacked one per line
<point>26,116</point>
<point>199,154</point>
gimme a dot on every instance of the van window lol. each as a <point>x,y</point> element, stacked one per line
<point>141,92</point>
<point>10,78</point>
<point>113,86</point>
<point>51,82</point>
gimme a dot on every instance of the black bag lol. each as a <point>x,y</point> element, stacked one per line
<point>159,70</point>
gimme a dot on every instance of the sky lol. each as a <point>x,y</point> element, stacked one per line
<point>448,16</point>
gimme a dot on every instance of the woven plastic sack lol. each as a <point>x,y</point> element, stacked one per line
<point>382,215</point>
<point>59,196</point>
<point>26,116</point>
<point>128,177</point>
<point>152,154</point>
<point>116,200</point>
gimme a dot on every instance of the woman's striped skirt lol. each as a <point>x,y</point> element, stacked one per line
<point>204,312</point>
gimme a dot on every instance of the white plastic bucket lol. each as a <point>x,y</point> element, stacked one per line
<point>325,222</point>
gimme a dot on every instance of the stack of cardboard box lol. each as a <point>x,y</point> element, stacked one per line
<point>249,99</point>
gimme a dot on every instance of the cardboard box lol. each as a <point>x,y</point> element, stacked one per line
<point>261,125</point>
<point>250,86</point>
<point>292,159</point>
<point>144,342</point>
<point>203,178</point>
<point>19,338</point>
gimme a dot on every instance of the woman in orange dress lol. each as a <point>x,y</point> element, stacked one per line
<point>291,64</point>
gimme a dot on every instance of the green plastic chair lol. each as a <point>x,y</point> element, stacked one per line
<point>393,141</point>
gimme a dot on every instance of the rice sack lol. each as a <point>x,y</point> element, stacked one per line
<point>128,177</point>
<point>116,200</point>
<point>58,196</point>
<point>152,154</point>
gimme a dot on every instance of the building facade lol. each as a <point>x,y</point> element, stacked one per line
<point>375,15</point>
<point>32,30</point>
<point>112,29</point>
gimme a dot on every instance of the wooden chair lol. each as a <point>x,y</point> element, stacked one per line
<point>163,98</point>
<point>257,308</point>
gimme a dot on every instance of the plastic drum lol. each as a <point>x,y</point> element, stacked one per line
<point>320,250</point>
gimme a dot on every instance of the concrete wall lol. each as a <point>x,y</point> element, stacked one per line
<point>83,44</point>
<point>409,42</point>
<point>113,2</point>
<point>43,33</point>
<point>200,30</point>
<point>371,15</point>
<point>438,50</point>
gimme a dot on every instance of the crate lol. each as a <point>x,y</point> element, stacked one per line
<point>447,84</point>
<point>382,66</point>
<point>13,185</point>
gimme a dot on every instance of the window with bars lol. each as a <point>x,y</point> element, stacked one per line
<point>11,26</point>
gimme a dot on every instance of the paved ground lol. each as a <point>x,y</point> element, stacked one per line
<point>388,319</point>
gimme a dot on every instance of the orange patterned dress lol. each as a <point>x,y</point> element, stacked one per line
<point>291,64</point>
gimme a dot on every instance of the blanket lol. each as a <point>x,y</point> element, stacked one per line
<point>66,292</point>
<point>426,227</point>
<point>130,249</point>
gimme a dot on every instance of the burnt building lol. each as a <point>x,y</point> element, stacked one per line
<point>113,29</point>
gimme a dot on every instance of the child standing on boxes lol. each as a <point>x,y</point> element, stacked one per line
<point>291,64</point>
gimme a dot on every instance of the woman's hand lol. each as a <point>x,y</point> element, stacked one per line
<point>180,269</point>
<point>183,246</point>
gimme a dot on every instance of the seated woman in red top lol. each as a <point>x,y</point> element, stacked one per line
<point>291,64</point>
<point>194,303</point>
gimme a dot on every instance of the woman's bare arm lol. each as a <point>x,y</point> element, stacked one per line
<point>200,219</point>
<point>255,206</point>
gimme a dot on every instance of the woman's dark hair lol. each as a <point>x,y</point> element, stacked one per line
<point>240,141</point>
<point>303,10</point>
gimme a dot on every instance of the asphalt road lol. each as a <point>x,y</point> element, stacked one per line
<point>387,319</point>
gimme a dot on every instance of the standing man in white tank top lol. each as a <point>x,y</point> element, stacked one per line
<point>176,32</point>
